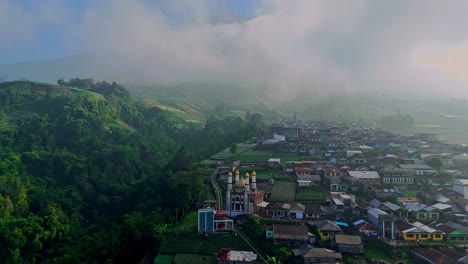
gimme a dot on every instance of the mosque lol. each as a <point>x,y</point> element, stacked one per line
<point>243,198</point>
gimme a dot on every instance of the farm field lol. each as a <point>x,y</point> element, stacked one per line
<point>309,194</point>
<point>183,258</point>
<point>193,243</point>
<point>283,191</point>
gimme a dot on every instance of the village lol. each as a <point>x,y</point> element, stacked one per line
<point>340,193</point>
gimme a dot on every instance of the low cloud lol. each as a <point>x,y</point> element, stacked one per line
<point>288,49</point>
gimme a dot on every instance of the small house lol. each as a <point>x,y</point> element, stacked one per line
<point>349,244</point>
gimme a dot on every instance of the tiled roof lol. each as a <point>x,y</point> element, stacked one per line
<point>322,253</point>
<point>292,232</point>
<point>347,239</point>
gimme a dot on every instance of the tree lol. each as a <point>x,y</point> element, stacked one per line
<point>436,163</point>
<point>233,149</point>
<point>272,260</point>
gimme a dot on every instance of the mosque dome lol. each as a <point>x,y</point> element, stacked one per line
<point>240,183</point>
<point>247,174</point>
<point>230,174</point>
<point>254,173</point>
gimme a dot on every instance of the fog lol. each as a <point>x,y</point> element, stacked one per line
<point>288,48</point>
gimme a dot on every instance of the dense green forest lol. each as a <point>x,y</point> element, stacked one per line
<point>88,173</point>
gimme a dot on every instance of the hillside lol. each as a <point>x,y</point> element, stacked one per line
<point>86,173</point>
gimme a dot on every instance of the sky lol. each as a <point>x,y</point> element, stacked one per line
<point>287,48</point>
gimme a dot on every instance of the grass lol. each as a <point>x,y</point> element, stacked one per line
<point>188,224</point>
<point>163,259</point>
<point>194,258</point>
<point>309,194</point>
<point>283,191</point>
<point>410,193</point>
<point>195,244</point>
<point>376,251</point>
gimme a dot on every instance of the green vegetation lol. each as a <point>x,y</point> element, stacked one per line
<point>193,243</point>
<point>163,259</point>
<point>90,175</point>
<point>283,191</point>
<point>410,193</point>
<point>309,194</point>
<point>194,258</point>
<point>376,249</point>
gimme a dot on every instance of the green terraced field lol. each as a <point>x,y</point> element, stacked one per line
<point>309,194</point>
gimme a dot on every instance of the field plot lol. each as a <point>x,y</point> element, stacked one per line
<point>198,244</point>
<point>226,154</point>
<point>182,258</point>
<point>283,191</point>
<point>309,194</point>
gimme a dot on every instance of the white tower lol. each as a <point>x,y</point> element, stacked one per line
<point>229,190</point>
<point>246,193</point>
<point>237,176</point>
<point>254,181</point>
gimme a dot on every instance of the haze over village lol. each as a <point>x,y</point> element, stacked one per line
<point>219,131</point>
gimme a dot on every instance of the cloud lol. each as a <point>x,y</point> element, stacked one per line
<point>288,49</point>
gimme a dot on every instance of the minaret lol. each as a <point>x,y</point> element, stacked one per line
<point>237,176</point>
<point>254,181</point>
<point>246,193</point>
<point>228,193</point>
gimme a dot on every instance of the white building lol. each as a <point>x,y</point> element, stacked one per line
<point>461,186</point>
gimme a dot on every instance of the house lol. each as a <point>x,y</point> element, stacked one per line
<point>383,221</point>
<point>210,221</point>
<point>350,153</point>
<point>395,175</point>
<point>321,255</point>
<point>304,171</point>
<point>273,162</point>
<point>360,208</point>
<point>461,187</point>
<point>433,256</point>
<point>313,210</point>
<point>278,209</point>
<point>335,183</point>
<point>418,231</point>
<point>308,180</point>
<point>297,211</point>
<point>422,211</point>
<point>230,256</point>
<point>340,203</point>
<point>418,169</point>
<point>460,235</point>
<point>361,176</point>
<point>390,208</point>
<point>349,244</point>
<point>365,229</point>
<point>326,229</point>
<point>290,233</point>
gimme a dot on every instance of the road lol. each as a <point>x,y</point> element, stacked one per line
<point>217,190</point>
<point>249,242</point>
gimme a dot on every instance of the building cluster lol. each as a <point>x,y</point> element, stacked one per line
<point>367,175</point>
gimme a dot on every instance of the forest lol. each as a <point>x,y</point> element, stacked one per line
<point>88,173</point>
